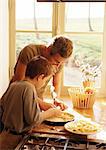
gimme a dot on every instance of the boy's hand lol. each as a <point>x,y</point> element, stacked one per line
<point>54,112</point>
<point>45,106</point>
<point>60,104</point>
<point>50,110</point>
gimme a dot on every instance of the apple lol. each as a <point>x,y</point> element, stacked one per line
<point>89,90</point>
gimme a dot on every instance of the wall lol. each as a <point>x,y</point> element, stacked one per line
<point>4,46</point>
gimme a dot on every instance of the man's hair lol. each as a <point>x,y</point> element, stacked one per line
<point>37,66</point>
<point>63,46</point>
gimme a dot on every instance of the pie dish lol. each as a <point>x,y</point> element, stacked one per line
<point>60,120</point>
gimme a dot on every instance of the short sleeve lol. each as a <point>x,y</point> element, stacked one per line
<point>27,54</point>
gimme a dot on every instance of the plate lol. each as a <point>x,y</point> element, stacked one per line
<point>83,127</point>
<point>61,120</point>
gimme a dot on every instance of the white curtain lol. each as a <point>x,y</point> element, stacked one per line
<point>103,89</point>
<point>4,46</point>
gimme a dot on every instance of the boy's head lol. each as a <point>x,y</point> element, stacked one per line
<point>38,66</point>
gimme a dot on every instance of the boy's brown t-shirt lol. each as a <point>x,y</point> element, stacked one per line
<point>20,107</point>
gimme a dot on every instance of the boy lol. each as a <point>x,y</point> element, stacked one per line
<point>20,103</point>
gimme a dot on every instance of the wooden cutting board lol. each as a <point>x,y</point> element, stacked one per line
<point>56,131</point>
<point>43,128</point>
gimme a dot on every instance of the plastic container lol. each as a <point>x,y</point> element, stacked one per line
<point>80,99</point>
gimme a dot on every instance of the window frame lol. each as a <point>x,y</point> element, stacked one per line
<point>58,26</point>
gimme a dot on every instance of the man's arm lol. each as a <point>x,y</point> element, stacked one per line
<point>57,82</point>
<point>19,72</point>
<point>57,86</point>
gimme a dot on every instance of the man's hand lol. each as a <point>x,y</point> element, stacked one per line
<point>60,104</point>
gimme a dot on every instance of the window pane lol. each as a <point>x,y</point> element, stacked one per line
<point>23,39</point>
<point>87,49</point>
<point>84,17</point>
<point>33,15</point>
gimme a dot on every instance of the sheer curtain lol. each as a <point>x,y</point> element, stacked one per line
<point>103,90</point>
<point>4,47</point>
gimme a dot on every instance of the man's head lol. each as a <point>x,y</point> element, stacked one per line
<point>38,66</point>
<point>63,46</point>
<point>60,50</point>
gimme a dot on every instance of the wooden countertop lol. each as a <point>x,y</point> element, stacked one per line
<point>97,114</point>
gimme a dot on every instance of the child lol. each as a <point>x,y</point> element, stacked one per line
<point>20,103</point>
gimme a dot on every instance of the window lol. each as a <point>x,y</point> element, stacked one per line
<point>82,22</point>
<point>32,26</point>
<point>84,26</point>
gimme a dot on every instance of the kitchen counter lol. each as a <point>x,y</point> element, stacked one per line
<point>57,138</point>
<point>97,114</point>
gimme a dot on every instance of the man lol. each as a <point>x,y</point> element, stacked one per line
<point>57,53</point>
